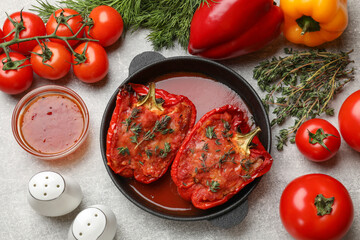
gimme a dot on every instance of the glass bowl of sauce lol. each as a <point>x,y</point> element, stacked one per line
<point>50,122</point>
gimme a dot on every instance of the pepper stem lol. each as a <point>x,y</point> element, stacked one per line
<point>308,24</point>
<point>150,99</point>
<point>323,205</point>
<point>244,140</point>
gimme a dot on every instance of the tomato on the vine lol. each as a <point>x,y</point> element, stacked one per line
<point>349,120</point>
<point>29,24</point>
<point>70,23</point>
<point>90,63</point>
<point>316,206</point>
<point>51,60</point>
<point>20,75</point>
<point>318,140</point>
<point>107,25</point>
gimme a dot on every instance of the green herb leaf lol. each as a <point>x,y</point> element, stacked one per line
<point>213,186</point>
<point>164,152</point>
<point>210,133</point>
<point>123,151</point>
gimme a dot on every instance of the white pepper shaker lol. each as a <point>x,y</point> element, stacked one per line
<point>51,194</point>
<point>96,222</point>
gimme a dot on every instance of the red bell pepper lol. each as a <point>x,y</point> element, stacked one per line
<point>146,130</point>
<point>219,157</point>
<point>230,28</point>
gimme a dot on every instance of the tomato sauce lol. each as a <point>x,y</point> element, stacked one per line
<point>52,123</point>
<point>206,94</point>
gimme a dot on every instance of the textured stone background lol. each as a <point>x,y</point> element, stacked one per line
<point>19,221</point>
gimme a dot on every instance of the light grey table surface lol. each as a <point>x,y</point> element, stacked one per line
<point>19,221</point>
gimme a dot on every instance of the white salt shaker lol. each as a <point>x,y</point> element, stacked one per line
<point>96,222</point>
<point>51,194</point>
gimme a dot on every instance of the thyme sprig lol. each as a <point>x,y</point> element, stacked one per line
<point>213,186</point>
<point>167,21</point>
<point>160,126</point>
<point>133,116</point>
<point>301,86</point>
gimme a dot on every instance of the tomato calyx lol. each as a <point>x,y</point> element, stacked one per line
<point>62,19</point>
<point>45,55</point>
<point>80,57</point>
<point>244,140</point>
<point>9,64</point>
<point>18,26</point>
<point>151,100</point>
<point>319,137</point>
<point>323,205</point>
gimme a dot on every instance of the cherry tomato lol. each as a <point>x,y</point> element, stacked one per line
<point>31,26</point>
<point>107,25</point>
<point>349,120</point>
<point>72,19</point>
<point>94,65</point>
<point>318,140</point>
<point>57,64</point>
<point>301,212</point>
<point>17,80</point>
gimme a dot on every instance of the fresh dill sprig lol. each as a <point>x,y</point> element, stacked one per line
<point>301,86</point>
<point>168,21</point>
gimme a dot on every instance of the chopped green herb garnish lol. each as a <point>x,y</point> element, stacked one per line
<point>226,126</point>
<point>184,184</point>
<point>148,153</point>
<point>217,142</point>
<point>164,152</point>
<point>136,129</point>
<point>123,150</point>
<point>158,127</point>
<point>246,177</point>
<point>205,147</point>
<point>246,164</point>
<point>141,162</point>
<point>210,133</point>
<point>132,116</point>
<point>213,186</point>
<point>226,157</point>
<point>134,139</point>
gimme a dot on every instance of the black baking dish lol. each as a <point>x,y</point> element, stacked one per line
<point>149,65</point>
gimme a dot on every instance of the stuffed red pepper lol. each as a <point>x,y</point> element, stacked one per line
<point>146,130</point>
<point>218,158</point>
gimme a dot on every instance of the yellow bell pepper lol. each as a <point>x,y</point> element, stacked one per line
<point>313,22</point>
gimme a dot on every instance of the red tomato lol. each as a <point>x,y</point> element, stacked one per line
<point>32,26</point>
<point>299,214</point>
<point>95,65</point>
<point>108,25</point>
<point>1,39</point>
<point>57,65</point>
<point>17,80</point>
<point>72,18</point>
<point>349,120</point>
<point>318,140</point>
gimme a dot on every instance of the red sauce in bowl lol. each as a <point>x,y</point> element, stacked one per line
<point>206,94</point>
<point>51,123</point>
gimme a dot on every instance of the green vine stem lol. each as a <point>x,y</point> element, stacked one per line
<point>17,39</point>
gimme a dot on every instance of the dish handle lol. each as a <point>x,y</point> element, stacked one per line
<point>144,59</point>
<point>232,218</point>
